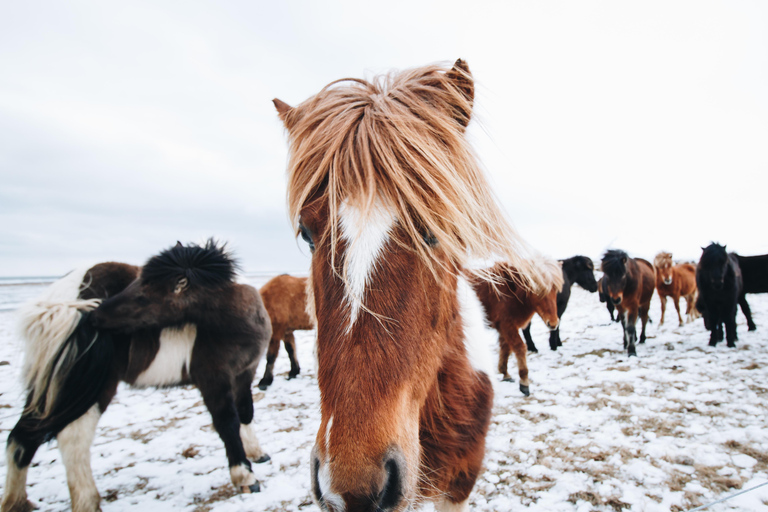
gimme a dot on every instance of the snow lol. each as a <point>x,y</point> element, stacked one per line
<point>681,425</point>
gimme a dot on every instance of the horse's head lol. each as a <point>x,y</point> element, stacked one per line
<point>713,265</point>
<point>614,267</point>
<point>581,271</point>
<point>169,290</point>
<point>663,265</point>
<point>385,190</point>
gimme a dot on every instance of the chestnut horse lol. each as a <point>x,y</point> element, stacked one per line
<point>285,298</point>
<point>509,307</point>
<point>180,319</point>
<point>675,281</point>
<point>629,283</point>
<point>385,189</point>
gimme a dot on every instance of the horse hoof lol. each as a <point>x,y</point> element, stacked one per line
<point>631,353</point>
<point>507,379</point>
<point>752,328</point>
<point>712,343</point>
<point>731,344</point>
<point>264,458</point>
<point>247,489</point>
<point>263,387</point>
<point>293,375</point>
<point>525,390</point>
<point>553,349</point>
<point>533,350</point>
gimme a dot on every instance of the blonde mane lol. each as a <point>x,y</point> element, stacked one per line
<point>662,260</point>
<point>399,141</point>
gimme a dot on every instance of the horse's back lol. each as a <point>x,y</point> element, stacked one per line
<point>285,298</point>
<point>754,272</point>
<point>648,276</point>
<point>105,280</point>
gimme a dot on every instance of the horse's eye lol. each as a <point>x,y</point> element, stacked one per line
<point>307,236</point>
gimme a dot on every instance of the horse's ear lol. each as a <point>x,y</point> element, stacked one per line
<point>181,285</point>
<point>283,111</point>
<point>179,244</point>
<point>461,78</point>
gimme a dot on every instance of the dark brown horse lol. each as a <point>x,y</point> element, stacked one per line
<point>384,187</point>
<point>285,298</point>
<point>509,307</point>
<point>629,283</point>
<point>180,319</point>
<point>675,281</point>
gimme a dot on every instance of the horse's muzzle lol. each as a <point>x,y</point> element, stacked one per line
<point>616,300</point>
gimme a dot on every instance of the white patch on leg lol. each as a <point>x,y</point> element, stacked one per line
<point>447,506</point>
<point>172,359</point>
<point>328,434</point>
<point>75,447</point>
<point>15,494</point>
<point>365,240</point>
<point>478,338</point>
<point>250,442</point>
<point>241,476</point>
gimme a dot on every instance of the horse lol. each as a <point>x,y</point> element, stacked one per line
<point>604,297</point>
<point>509,307</point>
<point>675,281</point>
<point>285,298</point>
<point>179,319</point>
<point>576,269</point>
<point>754,271</point>
<point>629,283</point>
<point>720,284</point>
<point>385,189</point>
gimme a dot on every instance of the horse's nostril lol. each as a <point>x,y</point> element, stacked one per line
<point>392,493</point>
<point>617,300</point>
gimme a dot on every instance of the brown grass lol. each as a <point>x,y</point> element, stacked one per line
<point>224,492</point>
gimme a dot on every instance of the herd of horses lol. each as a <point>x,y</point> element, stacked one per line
<point>385,189</point>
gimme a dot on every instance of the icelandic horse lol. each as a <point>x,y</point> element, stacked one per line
<point>721,288</point>
<point>180,319</point>
<point>509,307</point>
<point>629,283</point>
<point>285,298</point>
<point>675,281</point>
<point>385,189</point>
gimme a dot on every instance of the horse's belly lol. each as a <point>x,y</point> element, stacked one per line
<point>171,363</point>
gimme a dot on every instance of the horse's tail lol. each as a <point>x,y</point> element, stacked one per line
<point>67,362</point>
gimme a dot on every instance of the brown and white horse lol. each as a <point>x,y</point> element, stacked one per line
<point>509,307</point>
<point>384,187</point>
<point>676,281</point>
<point>285,298</point>
<point>180,319</point>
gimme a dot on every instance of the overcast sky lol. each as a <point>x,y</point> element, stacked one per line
<point>125,126</point>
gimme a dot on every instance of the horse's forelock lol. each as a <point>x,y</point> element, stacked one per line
<point>207,266</point>
<point>398,140</point>
<point>613,263</point>
<point>663,260</point>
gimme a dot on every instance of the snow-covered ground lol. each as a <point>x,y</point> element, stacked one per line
<point>679,426</point>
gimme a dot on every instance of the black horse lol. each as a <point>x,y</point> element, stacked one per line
<point>180,319</point>
<point>720,284</point>
<point>579,270</point>
<point>754,271</point>
<point>604,297</point>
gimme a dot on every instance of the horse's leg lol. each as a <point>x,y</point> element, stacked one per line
<point>528,339</point>
<point>663,301</point>
<point>631,332</point>
<point>676,299</point>
<point>23,442</point>
<point>521,354</point>
<point>504,352</point>
<point>245,411</point>
<point>75,447</point>
<point>730,328</point>
<point>290,346</point>
<point>554,338</point>
<point>219,398</point>
<point>644,320</point>
<point>747,312</point>
<point>272,350</point>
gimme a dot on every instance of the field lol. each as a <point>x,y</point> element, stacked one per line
<point>679,426</point>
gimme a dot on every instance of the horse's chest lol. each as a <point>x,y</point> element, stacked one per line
<point>170,364</point>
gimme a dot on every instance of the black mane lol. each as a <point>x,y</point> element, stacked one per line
<point>613,262</point>
<point>712,251</point>
<point>209,266</point>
